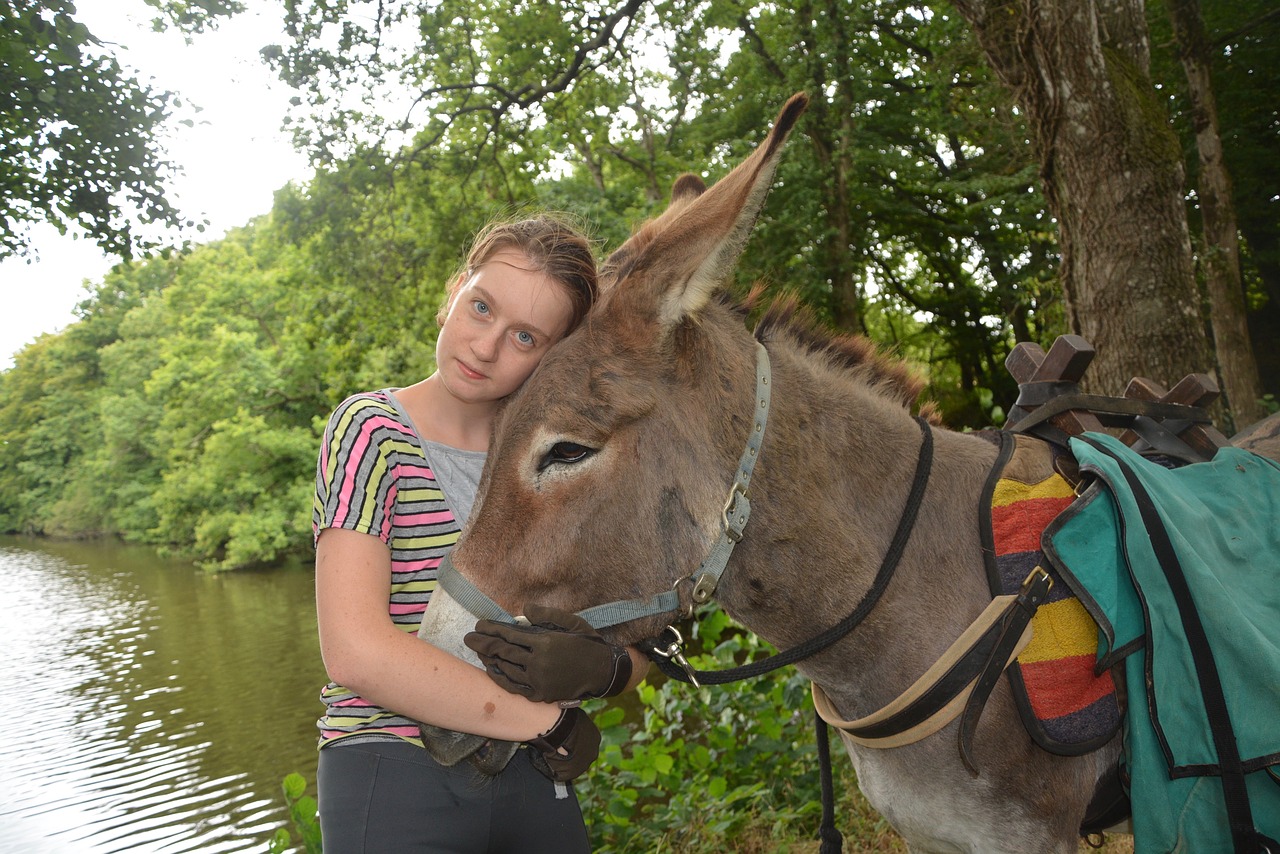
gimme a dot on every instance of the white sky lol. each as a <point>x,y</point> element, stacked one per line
<point>234,158</point>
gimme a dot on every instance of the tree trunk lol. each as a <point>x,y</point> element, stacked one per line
<point>846,305</point>
<point>1264,321</point>
<point>1220,257</point>
<point>1113,177</point>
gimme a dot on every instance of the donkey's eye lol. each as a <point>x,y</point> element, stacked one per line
<point>565,453</point>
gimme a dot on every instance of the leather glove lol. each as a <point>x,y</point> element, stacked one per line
<point>577,736</point>
<point>558,657</point>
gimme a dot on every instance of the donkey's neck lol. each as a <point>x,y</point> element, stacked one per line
<point>830,487</point>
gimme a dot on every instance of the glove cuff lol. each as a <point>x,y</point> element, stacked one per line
<point>553,739</point>
<point>622,668</point>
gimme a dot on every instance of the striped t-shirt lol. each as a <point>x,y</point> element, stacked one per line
<point>373,477</point>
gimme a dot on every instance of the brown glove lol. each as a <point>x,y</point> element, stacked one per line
<point>569,747</point>
<point>559,657</point>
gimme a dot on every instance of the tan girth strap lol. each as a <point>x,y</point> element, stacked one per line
<point>929,705</point>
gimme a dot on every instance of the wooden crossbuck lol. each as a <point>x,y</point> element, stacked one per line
<point>1197,390</point>
<point>1172,421</point>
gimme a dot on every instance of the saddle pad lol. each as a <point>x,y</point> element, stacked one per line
<point>1067,707</point>
<point>1222,518</point>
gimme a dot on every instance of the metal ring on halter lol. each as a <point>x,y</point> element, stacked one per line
<point>685,612</point>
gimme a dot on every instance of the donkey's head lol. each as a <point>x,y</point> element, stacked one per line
<point>609,470</point>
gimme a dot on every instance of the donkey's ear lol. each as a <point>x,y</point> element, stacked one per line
<point>676,262</point>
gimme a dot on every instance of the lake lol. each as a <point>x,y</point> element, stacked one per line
<point>152,706</point>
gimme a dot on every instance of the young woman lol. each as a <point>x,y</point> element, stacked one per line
<point>396,479</point>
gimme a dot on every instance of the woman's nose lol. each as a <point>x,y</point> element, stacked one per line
<point>485,345</point>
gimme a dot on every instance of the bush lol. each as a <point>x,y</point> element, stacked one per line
<point>729,767</point>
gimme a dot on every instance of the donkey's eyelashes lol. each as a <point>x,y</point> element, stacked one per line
<point>565,453</point>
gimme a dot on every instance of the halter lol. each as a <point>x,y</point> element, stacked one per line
<point>733,521</point>
<point>668,655</point>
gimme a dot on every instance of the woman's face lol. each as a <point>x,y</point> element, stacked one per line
<point>500,323</point>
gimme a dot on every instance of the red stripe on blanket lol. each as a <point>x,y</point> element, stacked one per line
<point>1017,526</point>
<point>1061,686</point>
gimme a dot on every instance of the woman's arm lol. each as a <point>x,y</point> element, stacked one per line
<point>365,652</point>
<point>639,667</point>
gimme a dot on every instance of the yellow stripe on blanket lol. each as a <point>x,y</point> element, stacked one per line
<point>1062,629</point>
<point>1009,491</point>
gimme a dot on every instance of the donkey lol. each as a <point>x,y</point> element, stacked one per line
<point>608,475</point>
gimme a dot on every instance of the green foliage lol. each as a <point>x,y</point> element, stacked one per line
<point>691,770</point>
<point>178,411</point>
<point>184,408</point>
<point>193,16</point>
<point>302,816</point>
<point>79,134</point>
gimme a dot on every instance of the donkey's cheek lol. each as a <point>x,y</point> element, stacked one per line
<point>677,535</point>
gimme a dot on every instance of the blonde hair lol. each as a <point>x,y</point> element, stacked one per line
<point>551,244</point>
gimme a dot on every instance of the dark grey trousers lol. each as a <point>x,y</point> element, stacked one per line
<point>392,797</point>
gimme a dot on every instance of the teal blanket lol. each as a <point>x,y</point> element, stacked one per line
<point>1193,603</point>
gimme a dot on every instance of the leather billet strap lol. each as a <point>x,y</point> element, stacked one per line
<point>989,644</point>
<point>1156,423</point>
<point>1047,399</point>
<point>737,511</point>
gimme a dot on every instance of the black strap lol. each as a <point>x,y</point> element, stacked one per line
<point>1006,635</point>
<point>817,644</point>
<point>832,840</point>
<point>1109,805</point>
<point>1158,424</point>
<point>1245,838</point>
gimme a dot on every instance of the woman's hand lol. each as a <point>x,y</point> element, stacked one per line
<point>570,746</point>
<point>559,657</point>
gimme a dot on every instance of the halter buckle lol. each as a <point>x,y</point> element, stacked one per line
<point>703,589</point>
<point>734,517</point>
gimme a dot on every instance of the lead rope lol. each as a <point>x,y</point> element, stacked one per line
<point>832,840</point>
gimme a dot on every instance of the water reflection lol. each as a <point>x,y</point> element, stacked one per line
<point>150,706</point>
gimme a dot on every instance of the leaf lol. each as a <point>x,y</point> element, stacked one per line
<point>294,785</point>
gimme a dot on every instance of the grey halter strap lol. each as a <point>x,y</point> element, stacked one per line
<point>733,520</point>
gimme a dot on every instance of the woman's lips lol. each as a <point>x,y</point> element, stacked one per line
<point>468,371</point>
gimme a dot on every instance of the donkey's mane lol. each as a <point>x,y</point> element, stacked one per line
<point>785,318</point>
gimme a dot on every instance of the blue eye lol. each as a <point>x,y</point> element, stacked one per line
<point>525,338</point>
<point>480,306</point>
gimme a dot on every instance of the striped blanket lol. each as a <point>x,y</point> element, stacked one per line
<point>1067,708</point>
